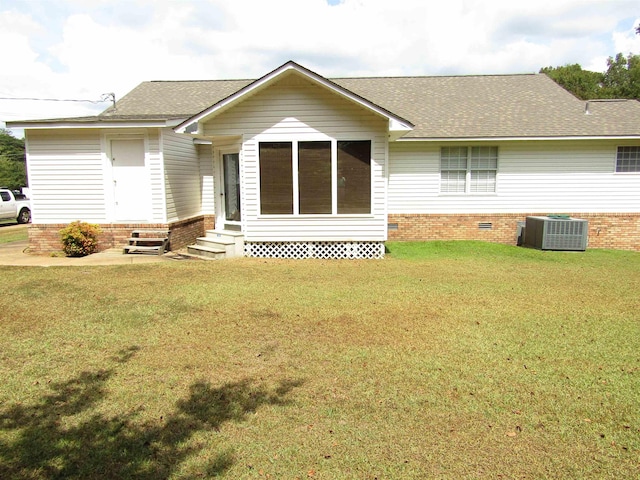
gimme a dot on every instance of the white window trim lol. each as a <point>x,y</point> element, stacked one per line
<point>615,161</point>
<point>334,175</point>
<point>467,178</point>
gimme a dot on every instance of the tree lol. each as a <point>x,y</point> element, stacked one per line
<point>622,78</point>
<point>584,84</point>
<point>12,161</point>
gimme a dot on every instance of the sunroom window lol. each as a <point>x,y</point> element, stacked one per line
<point>276,189</point>
<point>354,177</point>
<point>468,169</point>
<point>315,177</point>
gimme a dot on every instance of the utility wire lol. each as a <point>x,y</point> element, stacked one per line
<point>52,99</point>
<point>105,98</point>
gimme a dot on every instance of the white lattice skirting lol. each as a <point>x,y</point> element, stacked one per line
<point>337,250</point>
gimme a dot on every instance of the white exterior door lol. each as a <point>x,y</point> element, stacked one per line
<point>231,187</point>
<point>130,181</point>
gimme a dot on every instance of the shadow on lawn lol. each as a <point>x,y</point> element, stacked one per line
<point>44,440</point>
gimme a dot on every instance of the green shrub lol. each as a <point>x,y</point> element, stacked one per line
<point>80,238</point>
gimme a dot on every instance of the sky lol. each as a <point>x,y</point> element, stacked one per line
<point>83,49</point>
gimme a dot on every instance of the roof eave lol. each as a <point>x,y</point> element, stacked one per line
<point>518,138</point>
<point>112,123</point>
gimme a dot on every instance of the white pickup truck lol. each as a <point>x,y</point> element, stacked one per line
<point>14,206</point>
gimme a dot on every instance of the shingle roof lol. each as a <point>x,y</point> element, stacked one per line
<point>174,99</point>
<point>490,106</point>
<point>530,105</point>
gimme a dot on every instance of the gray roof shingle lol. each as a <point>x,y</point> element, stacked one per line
<point>488,106</point>
<point>495,106</point>
<point>174,99</point>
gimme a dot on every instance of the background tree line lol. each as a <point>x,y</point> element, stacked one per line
<point>13,172</point>
<point>621,80</point>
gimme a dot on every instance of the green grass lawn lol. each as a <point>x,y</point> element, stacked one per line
<point>445,360</point>
<point>12,233</point>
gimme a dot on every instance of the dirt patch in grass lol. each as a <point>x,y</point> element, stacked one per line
<point>467,361</point>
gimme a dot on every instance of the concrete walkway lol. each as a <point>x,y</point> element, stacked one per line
<point>14,254</point>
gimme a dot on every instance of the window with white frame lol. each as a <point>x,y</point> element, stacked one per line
<point>628,159</point>
<point>468,169</point>
<point>315,177</point>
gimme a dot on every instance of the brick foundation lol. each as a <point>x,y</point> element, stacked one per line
<point>185,232</point>
<point>606,230</point>
<point>45,238</point>
<point>611,230</point>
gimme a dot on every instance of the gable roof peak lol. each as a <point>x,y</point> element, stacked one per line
<point>193,124</point>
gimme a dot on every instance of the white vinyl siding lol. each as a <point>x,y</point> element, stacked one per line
<point>66,176</point>
<point>70,174</point>
<point>156,176</point>
<point>295,109</point>
<point>182,176</point>
<point>533,176</point>
<point>207,183</point>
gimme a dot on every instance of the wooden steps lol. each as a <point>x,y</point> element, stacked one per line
<point>148,241</point>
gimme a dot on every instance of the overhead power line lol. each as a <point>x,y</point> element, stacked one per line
<point>51,99</point>
<point>104,98</point>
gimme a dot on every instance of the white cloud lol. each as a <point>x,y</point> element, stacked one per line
<point>110,46</point>
<point>627,41</point>
<point>25,74</point>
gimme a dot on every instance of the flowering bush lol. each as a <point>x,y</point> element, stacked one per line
<point>79,238</point>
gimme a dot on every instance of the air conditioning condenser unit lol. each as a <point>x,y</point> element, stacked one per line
<point>556,233</point>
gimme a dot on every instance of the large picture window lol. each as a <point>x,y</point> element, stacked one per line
<point>315,177</point>
<point>628,159</point>
<point>468,169</point>
<point>276,187</point>
<point>354,177</point>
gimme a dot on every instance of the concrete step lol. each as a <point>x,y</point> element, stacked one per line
<point>218,244</point>
<point>224,234</point>
<point>227,238</point>
<point>206,252</point>
<point>226,246</point>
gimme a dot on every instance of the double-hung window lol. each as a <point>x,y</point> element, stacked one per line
<point>628,159</point>
<point>468,169</point>
<point>315,177</point>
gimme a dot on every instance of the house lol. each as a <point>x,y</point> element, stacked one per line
<point>296,165</point>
